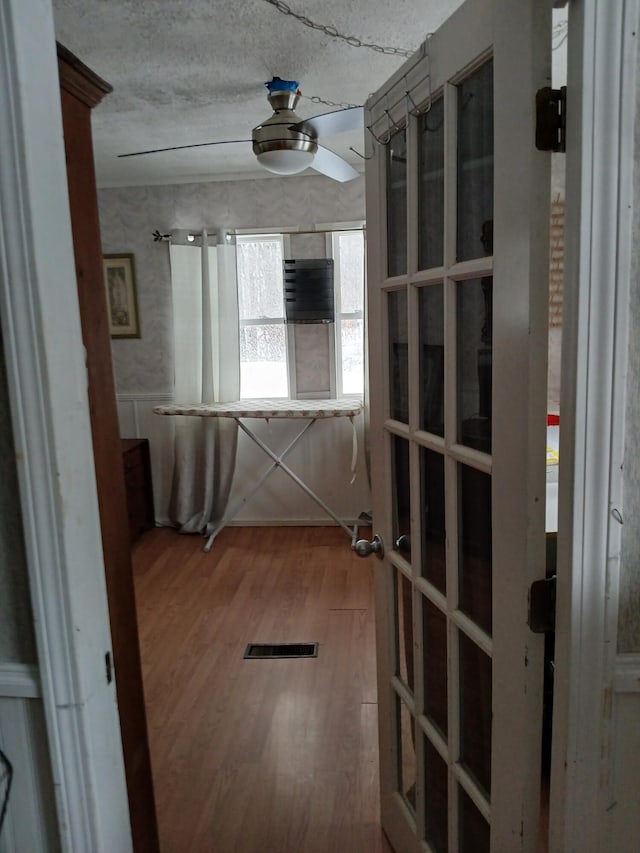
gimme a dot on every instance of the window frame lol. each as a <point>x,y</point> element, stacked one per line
<point>333,233</point>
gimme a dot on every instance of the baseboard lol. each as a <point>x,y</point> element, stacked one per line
<point>627,674</point>
<point>281,522</point>
<point>294,522</point>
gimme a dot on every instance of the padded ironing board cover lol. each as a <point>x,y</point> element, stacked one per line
<point>267,408</point>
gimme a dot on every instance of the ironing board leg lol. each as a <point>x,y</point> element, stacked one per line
<point>277,461</point>
<point>274,464</point>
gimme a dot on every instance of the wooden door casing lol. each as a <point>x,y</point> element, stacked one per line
<point>81,90</point>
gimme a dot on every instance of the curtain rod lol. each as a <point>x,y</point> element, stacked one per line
<point>158,237</point>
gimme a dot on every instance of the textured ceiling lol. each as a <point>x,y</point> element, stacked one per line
<point>192,72</point>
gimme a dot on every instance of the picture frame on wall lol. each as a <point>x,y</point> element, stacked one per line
<point>122,300</point>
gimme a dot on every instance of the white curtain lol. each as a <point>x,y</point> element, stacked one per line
<point>206,370</point>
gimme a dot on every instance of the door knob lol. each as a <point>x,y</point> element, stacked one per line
<point>364,548</point>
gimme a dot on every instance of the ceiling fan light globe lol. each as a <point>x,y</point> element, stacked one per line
<point>286,162</point>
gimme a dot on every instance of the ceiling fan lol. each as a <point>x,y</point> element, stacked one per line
<point>287,145</point>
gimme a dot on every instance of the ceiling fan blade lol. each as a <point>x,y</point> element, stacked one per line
<point>333,166</point>
<point>182,147</point>
<point>339,121</point>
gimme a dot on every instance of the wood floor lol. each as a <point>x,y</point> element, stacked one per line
<point>260,756</point>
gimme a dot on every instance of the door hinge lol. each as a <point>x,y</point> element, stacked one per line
<point>542,606</point>
<point>551,119</point>
<point>109,667</point>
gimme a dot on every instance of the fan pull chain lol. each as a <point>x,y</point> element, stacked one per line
<point>352,41</point>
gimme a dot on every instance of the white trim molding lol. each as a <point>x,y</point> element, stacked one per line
<point>600,124</point>
<point>18,680</point>
<point>47,384</point>
<point>627,674</point>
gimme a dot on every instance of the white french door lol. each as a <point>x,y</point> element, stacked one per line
<point>458,219</point>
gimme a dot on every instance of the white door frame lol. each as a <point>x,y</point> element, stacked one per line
<point>51,428</point>
<point>601,89</point>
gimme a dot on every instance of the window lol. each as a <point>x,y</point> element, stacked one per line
<point>348,256</point>
<point>263,341</point>
<point>268,344</point>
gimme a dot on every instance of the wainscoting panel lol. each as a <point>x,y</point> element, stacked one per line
<point>137,420</point>
<point>30,823</point>
<point>322,459</point>
<point>624,809</point>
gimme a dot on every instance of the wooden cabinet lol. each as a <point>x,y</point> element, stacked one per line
<point>137,480</point>
<point>80,91</point>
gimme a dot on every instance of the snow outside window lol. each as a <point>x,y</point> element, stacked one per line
<point>264,371</point>
<point>263,341</point>
<point>348,255</point>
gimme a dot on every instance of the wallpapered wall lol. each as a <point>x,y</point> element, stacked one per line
<point>143,368</point>
<point>128,216</point>
<point>17,643</point>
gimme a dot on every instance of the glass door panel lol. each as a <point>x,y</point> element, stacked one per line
<point>475,362</point>
<point>431,184</point>
<point>475,165</point>
<point>404,629</point>
<point>474,830</point>
<point>407,764</point>
<point>397,204</point>
<point>434,567</point>
<point>398,356</point>
<point>436,799</point>
<point>434,626</point>
<point>475,711</point>
<point>401,496</point>
<point>431,302</point>
<point>475,582</point>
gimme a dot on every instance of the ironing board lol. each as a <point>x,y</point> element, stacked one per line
<point>267,409</point>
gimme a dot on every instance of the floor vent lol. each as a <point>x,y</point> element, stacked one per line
<point>272,651</point>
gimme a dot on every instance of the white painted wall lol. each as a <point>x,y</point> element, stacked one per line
<point>75,767</point>
<point>595,768</point>
<point>623,816</point>
<point>30,820</point>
